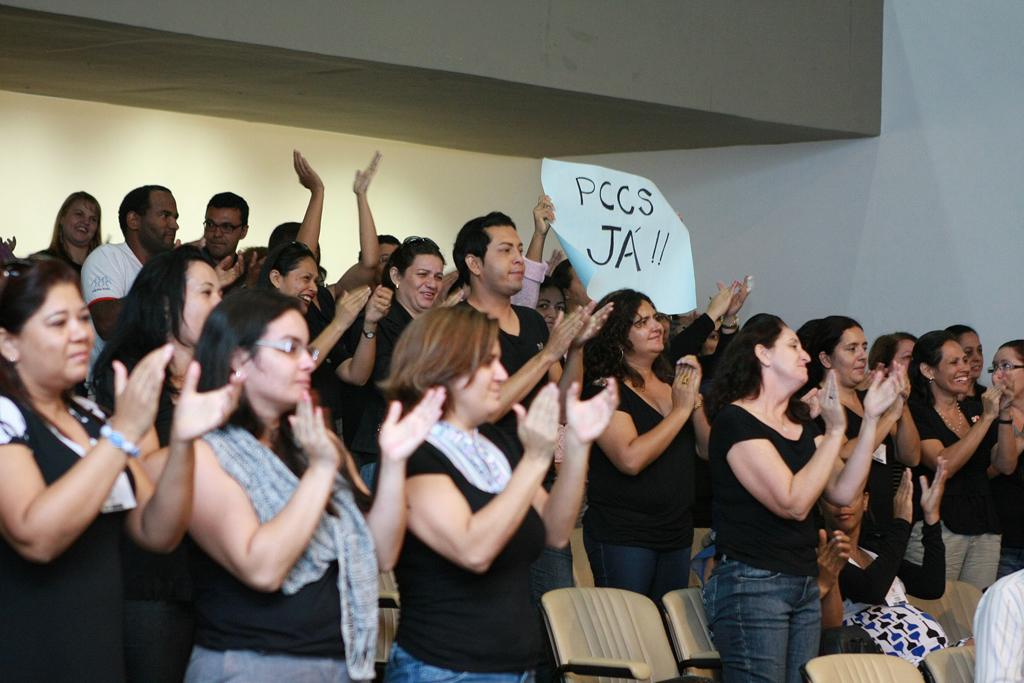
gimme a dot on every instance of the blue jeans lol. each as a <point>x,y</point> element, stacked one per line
<point>641,570</point>
<point>553,569</point>
<point>245,666</point>
<point>1010,561</point>
<point>765,624</point>
<point>404,668</point>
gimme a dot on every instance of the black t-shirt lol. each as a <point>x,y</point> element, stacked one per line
<point>746,529</point>
<point>389,330</point>
<point>1008,494</point>
<point>325,379</point>
<point>516,351</point>
<point>61,621</point>
<point>967,504</point>
<point>232,616</point>
<point>56,256</point>
<point>652,508</point>
<point>456,619</point>
<point>881,476</point>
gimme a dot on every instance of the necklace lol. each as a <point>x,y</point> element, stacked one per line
<point>961,422</point>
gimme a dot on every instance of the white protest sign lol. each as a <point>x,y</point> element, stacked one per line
<point>618,231</point>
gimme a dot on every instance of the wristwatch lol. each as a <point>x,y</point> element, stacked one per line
<point>369,335</point>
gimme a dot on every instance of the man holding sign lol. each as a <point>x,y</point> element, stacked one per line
<point>620,232</point>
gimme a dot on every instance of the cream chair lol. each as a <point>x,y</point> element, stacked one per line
<point>387,619</point>
<point>949,665</point>
<point>860,669</point>
<point>688,627</point>
<point>954,610</point>
<point>603,633</point>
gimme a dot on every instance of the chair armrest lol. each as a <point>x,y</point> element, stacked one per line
<point>702,660</point>
<point>606,666</point>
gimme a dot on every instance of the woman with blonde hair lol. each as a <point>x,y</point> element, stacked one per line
<point>76,230</point>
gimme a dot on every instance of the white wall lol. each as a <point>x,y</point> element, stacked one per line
<point>916,229</point>
<point>51,147</point>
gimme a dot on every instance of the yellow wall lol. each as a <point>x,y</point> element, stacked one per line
<point>51,147</point>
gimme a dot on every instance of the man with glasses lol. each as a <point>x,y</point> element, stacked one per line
<point>226,224</point>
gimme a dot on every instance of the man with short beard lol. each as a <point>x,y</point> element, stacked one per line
<point>148,216</point>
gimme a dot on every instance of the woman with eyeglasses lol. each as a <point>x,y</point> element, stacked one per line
<point>286,587</point>
<point>72,483</point>
<point>76,231</point>
<point>168,303</point>
<point>1008,489</point>
<point>638,527</point>
<point>966,435</point>
<point>414,273</point>
<point>291,269</point>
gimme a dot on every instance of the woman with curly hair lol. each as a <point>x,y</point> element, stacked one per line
<point>638,527</point>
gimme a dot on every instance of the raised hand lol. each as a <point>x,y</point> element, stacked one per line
<point>903,501</point>
<point>720,302</point>
<point>312,436</point>
<point>348,306</point>
<point>811,398</point>
<point>587,420</point>
<point>197,413</point>
<point>740,292</point>
<point>229,269</point>
<point>881,394</point>
<point>136,396</point>
<point>400,436</point>
<point>686,385</point>
<point>557,256</point>
<point>832,411</point>
<point>543,214</point>
<point>365,177</point>
<point>592,322</point>
<point>538,427</point>
<point>308,178</point>
<point>931,495</point>
<point>377,306</point>
<point>253,264</point>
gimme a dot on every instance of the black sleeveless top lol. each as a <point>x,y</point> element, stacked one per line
<point>61,621</point>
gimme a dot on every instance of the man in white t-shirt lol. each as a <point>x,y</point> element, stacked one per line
<point>148,216</point>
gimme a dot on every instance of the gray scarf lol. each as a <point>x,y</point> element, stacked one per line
<point>270,485</point>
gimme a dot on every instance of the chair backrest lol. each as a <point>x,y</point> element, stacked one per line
<point>954,610</point>
<point>582,575</point>
<point>688,626</point>
<point>949,665</point>
<point>860,669</point>
<point>596,625</point>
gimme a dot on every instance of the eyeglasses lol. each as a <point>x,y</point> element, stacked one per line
<point>289,346</point>
<point>1005,366</point>
<point>210,226</point>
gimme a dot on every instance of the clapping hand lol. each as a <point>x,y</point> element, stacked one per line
<point>881,394</point>
<point>830,408</point>
<point>538,427</point>
<point>229,269</point>
<point>833,554</point>
<point>137,395</point>
<point>720,302</point>
<point>991,401</point>
<point>931,495</point>
<point>686,385</point>
<point>740,292</point>
<point>587,420</point>
<point>592,322</point>
<point>349,305</point>
<point>312,436</point>
<point>377,306</point>
<point>365,177</point>
<point>400,436</point>
<point>903,502</point>
<point>198,412</point>
<point>308,178</point>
